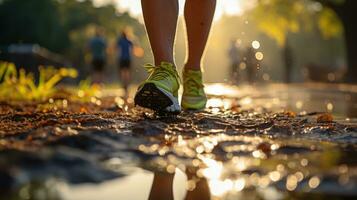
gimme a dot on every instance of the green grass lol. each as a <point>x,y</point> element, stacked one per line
<point>18,85</point>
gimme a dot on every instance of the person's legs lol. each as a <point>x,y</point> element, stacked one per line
<point>198,18</point>
<point>160,18</point>
<point>124,74</point>
<point>98,66</point>
<point>159,91</point>
<point>201,191</point>
<point>161,188</point>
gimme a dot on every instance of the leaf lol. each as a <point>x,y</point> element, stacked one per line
<point>19,85</point>
<point>329,24</point>
<point>324,118</point>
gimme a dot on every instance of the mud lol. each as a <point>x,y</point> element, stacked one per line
<point>235,148</point>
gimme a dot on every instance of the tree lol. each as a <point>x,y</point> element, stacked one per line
<point>277,18</point>
<point>31,21</point>
<point>346,11</point>
<point>61,25</point>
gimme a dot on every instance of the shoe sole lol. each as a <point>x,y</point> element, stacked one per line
<point>157,99</point>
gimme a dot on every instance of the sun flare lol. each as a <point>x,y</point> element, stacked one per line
<point>227,7</point>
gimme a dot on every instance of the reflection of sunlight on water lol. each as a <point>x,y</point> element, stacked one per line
<point>219,103</point>
<point>222,183</point>
<point>213,170</point>
<point>240,163</point>
<point>291,182</point>
<point>314,182</point>
<point>274,176</point>
<point>220,89</point>
<point>215,103</point>
<point>246,101</point>
<point>213,173</point>
<point>239,184</point>
<point>218,187</point>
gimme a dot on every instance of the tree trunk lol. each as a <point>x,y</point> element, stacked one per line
<point>348,15</point>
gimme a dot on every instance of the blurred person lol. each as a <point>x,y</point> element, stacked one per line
<point>98,46</point>
<point>160,90</point>
<point>125,47</point>
<point>288,62</point>
<point>234,58</point>
<point>251,64</point>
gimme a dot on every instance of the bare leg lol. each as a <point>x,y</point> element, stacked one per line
<point>201,191</point>
<point>198,18</point>
<point>161,188</point>
<point>98,77</point>
<point>160,18</point>
<point>125,79</point>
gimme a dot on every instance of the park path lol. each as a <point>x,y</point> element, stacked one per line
<point>250,140</point>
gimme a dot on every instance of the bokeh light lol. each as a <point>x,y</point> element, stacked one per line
<point>256,44</point>
<point>259,55</point>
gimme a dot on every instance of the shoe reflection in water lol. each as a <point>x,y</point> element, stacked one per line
<point>162,187</point>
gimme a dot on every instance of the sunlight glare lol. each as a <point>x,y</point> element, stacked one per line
<point>215,103</point>
<point>239,184</point>
<point>259,55</point>
<point>227,7</point>
<point>219,187</point>
<point>219,90</point>
<point>214,168</point>
<point>256,44</point>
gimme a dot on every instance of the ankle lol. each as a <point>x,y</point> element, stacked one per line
<point>193,67</point>
<point>160,61</point>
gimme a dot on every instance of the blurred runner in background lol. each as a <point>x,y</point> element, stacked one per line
<point>288,60</point>
<point>125,48</point>
<point>98,48</point>
<point>252,64</point>
<point>234,57</point>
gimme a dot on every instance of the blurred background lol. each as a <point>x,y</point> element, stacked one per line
<point>252,41</point>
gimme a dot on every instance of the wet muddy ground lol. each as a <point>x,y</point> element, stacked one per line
<point>264,142</point>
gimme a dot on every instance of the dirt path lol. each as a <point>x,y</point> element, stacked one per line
<point>238,139</point>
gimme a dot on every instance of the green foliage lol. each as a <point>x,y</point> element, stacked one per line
<point>277,18</point>
<point>32,21</point>
<point>62,26</point>
<point>329,23</point>
<point>80,18</point>
<point>19,85</point>
<point>86,90</point>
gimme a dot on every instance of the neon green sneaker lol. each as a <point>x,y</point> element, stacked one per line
<point>159,91</point>
<point>193,97</point>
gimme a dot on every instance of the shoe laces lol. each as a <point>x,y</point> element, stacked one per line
<point>193,83</point>
<point>162,71</point>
